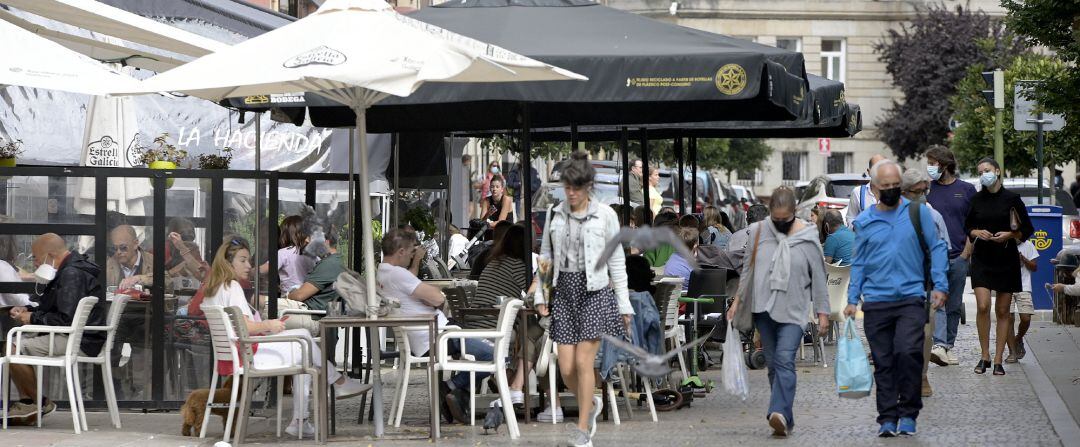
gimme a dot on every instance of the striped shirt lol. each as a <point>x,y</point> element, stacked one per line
<point>504,276</point>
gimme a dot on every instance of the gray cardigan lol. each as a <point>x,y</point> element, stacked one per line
<point>807,281</point>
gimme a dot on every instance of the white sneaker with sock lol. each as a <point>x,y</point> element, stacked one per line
<point>517,397</point>
<point>546,415</point>
<point>309,428</point>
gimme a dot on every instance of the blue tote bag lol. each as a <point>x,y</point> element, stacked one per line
<point>853,376</point>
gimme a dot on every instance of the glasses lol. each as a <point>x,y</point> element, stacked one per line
<point>122,248</point>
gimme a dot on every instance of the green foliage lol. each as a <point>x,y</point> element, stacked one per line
<point>161,150</point>
<point>216,161</point>
<point>10,148</point>
<point>714,154</point>
<point>1055,25</point>
<point>926,59</point>
<point>974,139</point>
<point>420,219</point>
<point>744,155</point>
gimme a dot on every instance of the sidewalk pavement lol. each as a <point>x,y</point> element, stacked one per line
<point>966,409</point>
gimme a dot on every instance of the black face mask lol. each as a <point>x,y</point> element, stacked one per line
<point>890,197</point>
<point>783,226</point>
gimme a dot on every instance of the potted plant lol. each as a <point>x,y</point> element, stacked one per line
<point>9,151</point>
<point>162,155</point>
<point>220,160</point>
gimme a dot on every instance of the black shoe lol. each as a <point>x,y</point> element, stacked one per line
<point>980,368</point>
<point>999,370</point>
<point>458,401</point>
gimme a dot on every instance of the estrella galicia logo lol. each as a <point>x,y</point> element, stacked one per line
<point>320,55</point>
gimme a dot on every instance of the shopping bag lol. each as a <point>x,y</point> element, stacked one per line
<point>735,381</point>
<point>853,376</point>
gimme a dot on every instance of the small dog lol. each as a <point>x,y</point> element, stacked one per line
<point>194,408</point>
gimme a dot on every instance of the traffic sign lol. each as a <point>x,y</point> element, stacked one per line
<point>824,146</point>
<point>1024,117</point>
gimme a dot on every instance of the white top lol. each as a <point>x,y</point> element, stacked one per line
<point>293,268</point>
<point>458,244</point>
<point>129,271</point>
<point>230,295</point>
<point>9,274</point>
<point>1027,250</point>
<point>398,283</point>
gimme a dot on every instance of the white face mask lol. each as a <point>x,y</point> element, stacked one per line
<point>45,273</point>
<point>934,172</point>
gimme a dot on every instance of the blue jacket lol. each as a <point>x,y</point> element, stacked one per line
<point>647,333</point>
<point>888,264</point>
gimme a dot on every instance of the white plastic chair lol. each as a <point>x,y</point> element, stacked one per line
<point>406,360</point>
<point>104,359</point>
<point>674,335</point>
<point>232,343</point>
<point>67,360</point>
<point>497,366</point>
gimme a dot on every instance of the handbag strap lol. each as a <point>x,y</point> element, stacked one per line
<point>753,254</point>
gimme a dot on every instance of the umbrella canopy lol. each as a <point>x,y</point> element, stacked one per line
<point>28,60</point>
<point>825,113</point>
<point>640,71</point>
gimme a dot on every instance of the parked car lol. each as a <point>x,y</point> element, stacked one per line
<point>830,191</point>
<point>602,167</point>
<point>745,193</point>
<point>606,190</point>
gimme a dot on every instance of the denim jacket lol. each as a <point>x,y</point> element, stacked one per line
<point>646,333</point>
<point>601,226</point>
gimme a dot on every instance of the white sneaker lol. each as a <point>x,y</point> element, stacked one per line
<point>309,429</point>
<point>545,416</point>
<point>953,360</point>
<point>517,397</point>
<point>939,356</point>
<point>598,406</point>
<point>350,388</point>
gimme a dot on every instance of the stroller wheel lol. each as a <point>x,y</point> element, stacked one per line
<point>755,359</point>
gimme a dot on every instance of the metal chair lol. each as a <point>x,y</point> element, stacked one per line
<point>104,359</point>
<point>68,360</point>
<point>501,335</point>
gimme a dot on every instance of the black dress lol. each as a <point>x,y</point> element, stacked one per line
<point>996,266</point>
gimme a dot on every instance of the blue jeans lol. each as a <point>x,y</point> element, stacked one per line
<point>780,342</point>
<point>483,350</point>
<point>947,320</point>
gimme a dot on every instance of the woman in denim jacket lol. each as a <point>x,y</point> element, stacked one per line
<point>589,294</point>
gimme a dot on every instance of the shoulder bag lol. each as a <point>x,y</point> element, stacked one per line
<point>744,315</point>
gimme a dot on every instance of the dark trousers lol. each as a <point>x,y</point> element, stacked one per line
<point>895,332</point>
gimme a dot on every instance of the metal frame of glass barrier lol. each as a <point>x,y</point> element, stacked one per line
<point>158,222</point>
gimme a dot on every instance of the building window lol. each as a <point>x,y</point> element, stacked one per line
<point>288,7</point>
<point>794,165</point>
<point>833,58</point>
<point>789,43</point>
<point>838,163</point>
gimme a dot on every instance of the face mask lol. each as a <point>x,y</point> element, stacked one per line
<point>920,199</point>
<point>934,172</point>
<point>987,179</point>
<point>890,197</point>
<point>494,169</point>
<point>44,274</point>
<point>783,226</point>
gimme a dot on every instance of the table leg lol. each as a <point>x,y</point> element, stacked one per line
<point>433,383</point>
<point>523,331</point>
<point>376,383</point>
<point>321,390</point>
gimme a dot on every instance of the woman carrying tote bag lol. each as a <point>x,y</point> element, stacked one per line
<point>785,273</point>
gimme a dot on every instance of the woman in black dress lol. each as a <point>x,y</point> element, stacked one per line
<point>997,222</point>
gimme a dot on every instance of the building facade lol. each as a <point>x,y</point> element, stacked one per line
<point>837,37</point>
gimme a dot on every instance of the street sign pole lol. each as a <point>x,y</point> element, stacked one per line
<point>1039,122</point>
<point>999,107</point>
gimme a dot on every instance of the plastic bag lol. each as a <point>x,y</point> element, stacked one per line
<point>735,381</point>
<point>853,376</point>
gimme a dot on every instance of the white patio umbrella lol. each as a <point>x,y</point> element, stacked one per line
<point>355,52</point>
<point>28,60</point>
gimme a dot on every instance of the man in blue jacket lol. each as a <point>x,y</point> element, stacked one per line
<point>888,274</point>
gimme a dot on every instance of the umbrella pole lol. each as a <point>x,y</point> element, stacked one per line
<point>258,207</point>
<point>692,142</point>
<point>624,152</point>
<point>645,176</point>
<point>369,263</point>
<point>527,192</point>
<point>682,178</point>
<point>350,219</point>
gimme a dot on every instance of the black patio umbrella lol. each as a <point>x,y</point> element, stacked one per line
<point>640,70</point>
